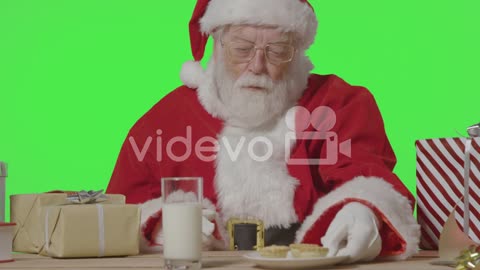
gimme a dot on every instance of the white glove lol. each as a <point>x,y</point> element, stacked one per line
<point>354,232</point>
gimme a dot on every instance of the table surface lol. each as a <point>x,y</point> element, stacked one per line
<point>210,260</point>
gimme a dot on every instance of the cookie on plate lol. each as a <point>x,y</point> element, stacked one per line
<point>308,251</point>
<point>274,251</point>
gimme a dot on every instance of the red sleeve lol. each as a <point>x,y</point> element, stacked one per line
<point>361,124</point>
<point>133,178</point>
<point>132,173</point>
<point>364,173</point>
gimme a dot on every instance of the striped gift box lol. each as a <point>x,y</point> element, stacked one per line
<point>441,168</point>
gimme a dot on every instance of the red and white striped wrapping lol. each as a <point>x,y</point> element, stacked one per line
<point>441,171</point>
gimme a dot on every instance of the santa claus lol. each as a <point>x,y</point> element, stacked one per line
<point>306,154</point>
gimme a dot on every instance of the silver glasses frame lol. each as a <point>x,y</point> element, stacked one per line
<point>226,46</point>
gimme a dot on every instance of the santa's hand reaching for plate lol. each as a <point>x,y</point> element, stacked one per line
<point>354,232</point>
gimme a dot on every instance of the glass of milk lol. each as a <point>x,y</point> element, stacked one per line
<point>182,222</point>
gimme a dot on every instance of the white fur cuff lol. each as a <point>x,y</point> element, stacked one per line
<point>394,206</point>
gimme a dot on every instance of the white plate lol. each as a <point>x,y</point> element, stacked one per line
<point>292,263</point>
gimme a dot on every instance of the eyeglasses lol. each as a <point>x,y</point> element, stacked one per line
<point>244,52</point>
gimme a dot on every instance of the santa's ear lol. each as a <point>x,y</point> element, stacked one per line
<point>217,48</point>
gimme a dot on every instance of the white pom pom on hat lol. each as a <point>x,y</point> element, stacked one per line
<point>289,15</point>
<point>192,74</point>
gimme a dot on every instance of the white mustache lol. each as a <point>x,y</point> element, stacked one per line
<point>250,80</point>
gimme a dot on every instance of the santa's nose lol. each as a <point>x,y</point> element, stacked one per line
<point>258,64</point>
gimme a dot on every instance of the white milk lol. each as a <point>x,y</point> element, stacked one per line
<point>182,231</point>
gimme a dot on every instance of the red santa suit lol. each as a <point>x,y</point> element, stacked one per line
<point>313,167</point>
<point>312,194</point>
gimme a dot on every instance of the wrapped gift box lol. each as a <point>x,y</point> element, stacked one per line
<point>448,175</point>
<point>91,230</point>
<point>26,210</point>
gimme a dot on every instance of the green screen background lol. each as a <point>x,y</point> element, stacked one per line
<point>76,75</point>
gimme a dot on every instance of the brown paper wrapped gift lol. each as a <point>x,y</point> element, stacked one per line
<point>91,230</point>
<point>25,211</point>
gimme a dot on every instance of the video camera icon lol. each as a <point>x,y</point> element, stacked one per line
<point>322,119</point>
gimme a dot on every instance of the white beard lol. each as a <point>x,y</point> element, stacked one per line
<point>240,107</point>
<point>247,187</point>
<point>250,108</point>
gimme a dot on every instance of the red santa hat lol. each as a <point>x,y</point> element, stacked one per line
<point>289,15</point>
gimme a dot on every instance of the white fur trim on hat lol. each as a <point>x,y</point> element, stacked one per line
<point>289,15</point>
